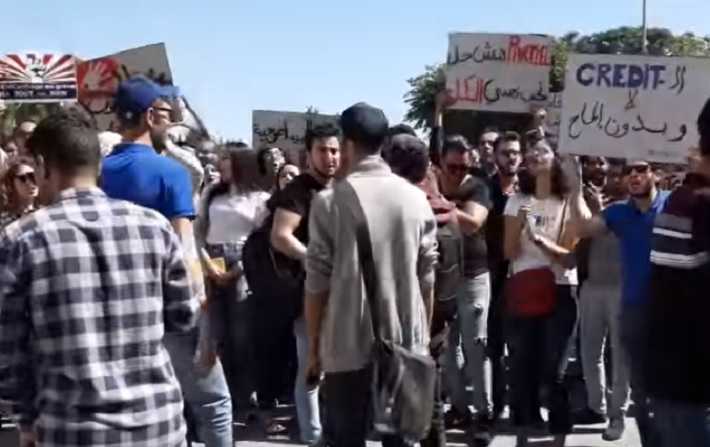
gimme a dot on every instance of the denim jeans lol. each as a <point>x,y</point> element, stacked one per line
<point>348,409</point>
<point>539,349</point>
<point>307,408</point>
<point>681,424</point>
<point>634,340</point>
<point>600,309</point>
<point>471,330</point>
<point>205,391</point>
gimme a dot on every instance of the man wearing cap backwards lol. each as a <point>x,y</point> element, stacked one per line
<point>402,230</point>
<point>135,172</point>
<point>632,222</point>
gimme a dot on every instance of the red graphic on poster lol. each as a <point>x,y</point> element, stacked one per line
<point>98,81</point>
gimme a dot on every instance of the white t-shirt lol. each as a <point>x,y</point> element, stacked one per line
<point>547,217</point>
<point>233,217</point>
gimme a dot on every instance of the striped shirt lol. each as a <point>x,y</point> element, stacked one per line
<point>88,288</point>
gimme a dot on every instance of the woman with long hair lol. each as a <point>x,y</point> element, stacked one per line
<point>20,192</point>
<point>541,293</point>
<point>229,211</point>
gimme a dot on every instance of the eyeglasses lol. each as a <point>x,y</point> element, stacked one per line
<point>457,168</point>
<point>639,169</point>
<point>27,178</point>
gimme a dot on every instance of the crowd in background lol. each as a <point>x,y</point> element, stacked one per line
<point>552,257</point>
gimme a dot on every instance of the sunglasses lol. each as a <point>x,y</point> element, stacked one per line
<point>27,178</point>
<point>641,169</point>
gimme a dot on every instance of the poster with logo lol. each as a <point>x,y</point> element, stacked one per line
<point>38,77</point>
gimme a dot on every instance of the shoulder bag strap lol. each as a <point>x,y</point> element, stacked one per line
<point>364,248</point>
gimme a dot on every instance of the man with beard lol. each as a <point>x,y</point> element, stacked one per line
<point>289,237</point>
<point>600,305</point>
<point>135,172</point>
<point>503,184</point>
<point>632,223</point>
<point>486,149</point>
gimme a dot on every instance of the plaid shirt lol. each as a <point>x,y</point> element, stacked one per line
<point>88,287</point>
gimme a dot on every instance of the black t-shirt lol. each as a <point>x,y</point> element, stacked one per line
<point>296,197</point>
<point>475,252</point>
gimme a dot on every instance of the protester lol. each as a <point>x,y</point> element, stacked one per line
<point>403,241</point>
<point>632,223</point>
<point>290,237</point>
<point>600,310</point>
<point>502,185</point>
<point>472,196</point>
<point>677,365</point>
<point>486,147</point>
<point>539,243</point>
<point>270,160</point>
<point>20,190</point>
<point>78,371</point>
<point>228,213</point>
<point>22,133</point>
<point>286,174</point>
<point>137,173</point>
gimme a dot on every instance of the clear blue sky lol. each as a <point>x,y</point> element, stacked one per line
<point>233,56</point>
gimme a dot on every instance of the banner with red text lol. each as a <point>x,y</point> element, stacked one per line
<point>634,107</point>
<point>498,72</point>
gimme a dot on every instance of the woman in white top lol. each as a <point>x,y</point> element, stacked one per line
<point>229,211</point>
<point>538,235</point>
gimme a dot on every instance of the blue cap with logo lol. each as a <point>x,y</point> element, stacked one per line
<point>137,94</point>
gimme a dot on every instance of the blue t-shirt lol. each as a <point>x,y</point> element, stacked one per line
<point>136,173</point>
<point>634,229</point>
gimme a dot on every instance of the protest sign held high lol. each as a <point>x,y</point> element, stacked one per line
<point>37,77</point>
<point>286,130</point>
<point>498,72</point>
<point>632,106</point>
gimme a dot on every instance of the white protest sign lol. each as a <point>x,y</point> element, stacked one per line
<point>286,130</point>
<point>99,78</point>
<point>498,72</point>
<point>634,107</point>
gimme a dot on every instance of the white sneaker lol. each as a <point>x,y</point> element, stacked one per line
<point>615,430</point>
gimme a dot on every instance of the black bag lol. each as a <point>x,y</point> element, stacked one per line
<point>403,381</point>
<point>449,269</point>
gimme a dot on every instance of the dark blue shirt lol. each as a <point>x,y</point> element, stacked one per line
<point>634,229</point>
<point>136,173</point>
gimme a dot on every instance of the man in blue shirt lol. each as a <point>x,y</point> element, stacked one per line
<point>135,172</point>
<point>632,222</point>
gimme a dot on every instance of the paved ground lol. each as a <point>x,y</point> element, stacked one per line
<point>584,437</point>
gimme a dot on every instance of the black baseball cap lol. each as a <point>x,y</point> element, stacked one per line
<point>365,124</point>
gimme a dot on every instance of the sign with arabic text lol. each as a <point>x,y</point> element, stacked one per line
<point>634,107</point>
<point>99,78</point>
<point>286,130</point>
<point>498,72</point>
<point>37,77</point>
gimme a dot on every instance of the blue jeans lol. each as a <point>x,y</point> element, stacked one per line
<point>471,330</point>
<point>307,408</point>
<point>204,391</point>
<point>681,424</point>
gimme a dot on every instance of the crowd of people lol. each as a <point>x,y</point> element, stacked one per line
<point>143,285</point>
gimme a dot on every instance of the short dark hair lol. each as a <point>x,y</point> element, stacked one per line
<point>408,157</point>
<point>455,143</point>
<point>507,137</point>
<point>402,129</point>
<point>489,129</point>
<point>260,156</point>
<point>366,126</point>
<point>68,141</point>
<point>318,132</point>
<point>704,129</point>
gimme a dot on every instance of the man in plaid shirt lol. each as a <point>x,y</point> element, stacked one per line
<point>88,287</point>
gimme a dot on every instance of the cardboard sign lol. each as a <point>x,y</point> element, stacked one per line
<point>286,130</point>
<point>498,72</point>
<point>37,77</point>
<point>634,107</point>
<point>99,79</point>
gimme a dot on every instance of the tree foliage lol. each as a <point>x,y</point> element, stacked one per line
<point>622,40</point>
